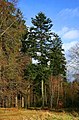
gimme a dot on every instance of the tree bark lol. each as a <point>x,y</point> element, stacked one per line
<point>22,102</point>
<point>25,102</point>
<point>58,95</point>
<point>45,95</point>
<point>42,85</point>
<point>51,93</point>
<point>16,101</point>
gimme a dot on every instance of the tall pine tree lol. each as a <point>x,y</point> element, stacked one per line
<point>46,48</point>
<point>37,45</point>
<point>57,57</point>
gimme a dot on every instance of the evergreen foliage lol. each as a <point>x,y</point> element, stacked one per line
<point>57,57</point>
<point>32,62</point>
<point>45,47</point>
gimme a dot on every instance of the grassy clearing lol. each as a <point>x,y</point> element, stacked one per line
<point>21,114</point>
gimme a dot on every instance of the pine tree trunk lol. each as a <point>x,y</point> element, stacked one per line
<point>42,83</point>
<point>58,95</point>
<point>22,102</point>
<point>25,102</point>
<point>9,101</point>
<point>45,95</point>
<point>3,103</point>
<point>16,101</point>
<point>51,90</point>
<point>51,101</point>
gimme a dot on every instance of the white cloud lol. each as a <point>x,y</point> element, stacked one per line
<point>71,34</point>
<point>69,12</point>
<point>67,46</point>
<point>63,30</point>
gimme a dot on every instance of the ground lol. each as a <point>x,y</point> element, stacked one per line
<point>22,114</point>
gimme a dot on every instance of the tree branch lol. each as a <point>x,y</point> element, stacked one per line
<point>6,29</point>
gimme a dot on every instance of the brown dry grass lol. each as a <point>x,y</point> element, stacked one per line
<point>21,114</point>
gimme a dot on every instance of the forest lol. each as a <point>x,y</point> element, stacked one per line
<point>33,67</point>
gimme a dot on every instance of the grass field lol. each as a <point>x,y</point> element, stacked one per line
<point>21,114</point>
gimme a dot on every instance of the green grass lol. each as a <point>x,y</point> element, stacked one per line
<point>21,114</point>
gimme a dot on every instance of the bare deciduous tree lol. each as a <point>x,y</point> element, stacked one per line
<point>74,60</point>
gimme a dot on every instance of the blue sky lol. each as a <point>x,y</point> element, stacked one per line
<point>63,13</point>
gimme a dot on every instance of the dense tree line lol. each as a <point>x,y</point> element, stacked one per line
<point>12,27</point>
<point>32,63</point>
